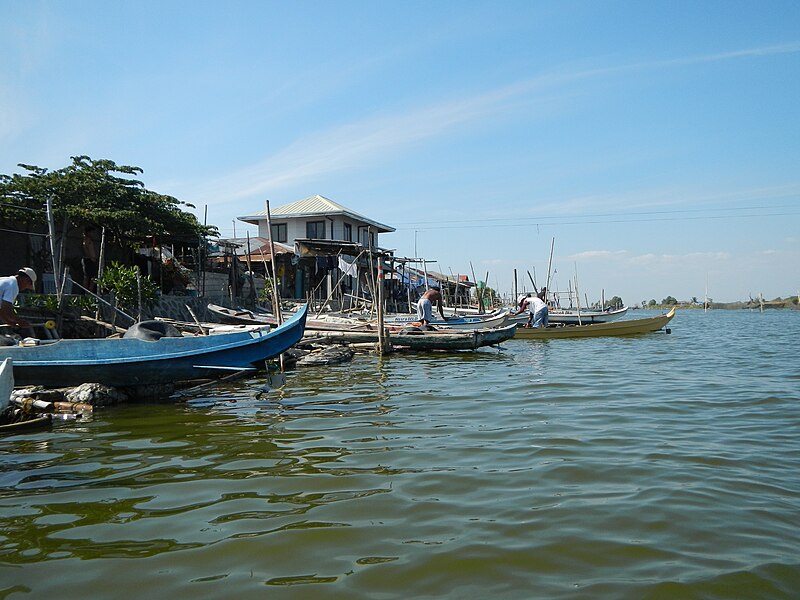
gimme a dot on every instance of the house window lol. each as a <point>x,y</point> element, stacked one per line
<point>279,232</point>
<point>348,232</point>
<point>315,230</point>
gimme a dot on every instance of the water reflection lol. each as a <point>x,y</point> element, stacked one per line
<point>616,466</point>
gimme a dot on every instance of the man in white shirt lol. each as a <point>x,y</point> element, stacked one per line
<point>537,308</point>
<point>10,287</point>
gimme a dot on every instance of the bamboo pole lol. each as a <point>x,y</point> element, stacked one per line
<point>533,283</point>
<point>252,299</point>
<point>51,225</point>
<point>203,254</point>
<point>336,286</point>
<point>117,309</point>
<point>549,265</point>
<point>478,291</point>
<point>381,331</point>
<point>577,295</point>
<point>275,294</point>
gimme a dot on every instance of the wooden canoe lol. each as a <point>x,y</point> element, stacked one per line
<point>36,422</point>
<point>614,328</point>
<point>423,340</point>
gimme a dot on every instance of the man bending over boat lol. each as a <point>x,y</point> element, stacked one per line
<point>10,287</point>
<point>425,305</point>
<point>537,309</point>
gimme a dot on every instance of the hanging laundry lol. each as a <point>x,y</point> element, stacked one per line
<point>347,268</point>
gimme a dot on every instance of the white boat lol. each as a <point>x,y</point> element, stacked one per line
<point>6,382</point>
<point>460,322</point>
<point>572,316</point>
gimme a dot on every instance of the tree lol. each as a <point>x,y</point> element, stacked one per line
<point>97,193</point>
<point>694,300</point>
<point>616,302</point>
<point>652,302</point>
<point>669,300</point>
<point>128,287</point>
<point>486,294</point>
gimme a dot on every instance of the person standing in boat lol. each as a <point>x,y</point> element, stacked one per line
<point>10,287</point>
<point>425,305</point>
<point>537,309</point>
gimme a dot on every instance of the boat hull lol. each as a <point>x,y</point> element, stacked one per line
<point>615,328</point>
<point>130,361</point>
<point>424,340</point>
<point>573,317</point>
<point>6,382</point>
<point>463,323</point>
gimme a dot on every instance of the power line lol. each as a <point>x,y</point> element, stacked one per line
<point>24,232</point>
<point>477,224</point>
<point>22,207</point>
<point>615,214</point>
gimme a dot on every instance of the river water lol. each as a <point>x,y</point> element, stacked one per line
<point>657,466</point>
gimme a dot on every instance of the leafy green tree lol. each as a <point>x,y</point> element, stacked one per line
<point>669,300</point>
<point>122,281</point>
<point>616,302</point>
<point>98,193</point>
<point>652,302</point>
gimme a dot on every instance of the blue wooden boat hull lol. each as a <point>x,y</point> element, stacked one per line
<point>130,361</point>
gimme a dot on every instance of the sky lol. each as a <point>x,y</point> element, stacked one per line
<point>655,146</point>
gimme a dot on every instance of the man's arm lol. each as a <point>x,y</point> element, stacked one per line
<point>441,308</point>
<point>9,316</point>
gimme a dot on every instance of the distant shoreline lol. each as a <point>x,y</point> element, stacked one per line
<point>788,304</point>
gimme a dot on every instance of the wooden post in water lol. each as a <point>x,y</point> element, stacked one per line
<point>381,349</point>
<point>516,291</point>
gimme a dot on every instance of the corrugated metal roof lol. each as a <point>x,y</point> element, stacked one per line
<point>258,245</point>
<point>311,207</point>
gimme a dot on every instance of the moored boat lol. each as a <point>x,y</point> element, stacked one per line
<point>132,361</point>
<point>6,382</point>
<point>460,322</point>
<point>439,339</point>
<point>614,328</point>
<point>572,316</point>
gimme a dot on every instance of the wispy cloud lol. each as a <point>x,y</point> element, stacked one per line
<point>597,255</point>
<point>372,139</point>
<point>672,259</point>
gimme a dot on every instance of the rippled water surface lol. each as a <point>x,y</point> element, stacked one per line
<point>658,466</point>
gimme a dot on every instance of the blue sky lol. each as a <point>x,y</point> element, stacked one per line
<point>658,143</point>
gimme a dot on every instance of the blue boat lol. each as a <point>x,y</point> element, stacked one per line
<point>130,361</point>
